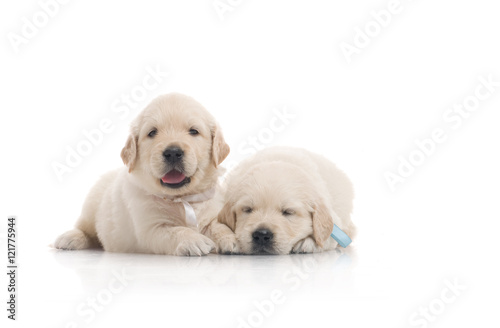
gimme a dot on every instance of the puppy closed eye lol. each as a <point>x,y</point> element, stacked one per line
<point>287,212</point>
<point>247,209</point>
<point>152,133</point>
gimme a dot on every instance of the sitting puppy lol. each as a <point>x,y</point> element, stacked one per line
<point>164,197</point>
<point>284,200</point>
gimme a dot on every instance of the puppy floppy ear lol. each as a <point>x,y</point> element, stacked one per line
<point>227,216</point>
<point>129,152</point>
<point>220,149</point>
<point>322,222</point>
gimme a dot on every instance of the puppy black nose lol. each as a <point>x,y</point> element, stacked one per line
<point>173,154</point>
<point>262,237</point>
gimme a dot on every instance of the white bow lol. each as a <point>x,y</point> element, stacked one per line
<point>188,209</point>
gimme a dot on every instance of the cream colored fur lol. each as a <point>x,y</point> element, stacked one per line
<point>126,211</point>
<point>296,194</point>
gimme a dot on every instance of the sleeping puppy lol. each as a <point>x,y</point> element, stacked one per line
<point>284,200</point>
<point>163,198</point>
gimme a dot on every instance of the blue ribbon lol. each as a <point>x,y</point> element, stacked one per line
<point>340,236</point>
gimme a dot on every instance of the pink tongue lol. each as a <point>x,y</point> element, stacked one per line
<point>173,177</point>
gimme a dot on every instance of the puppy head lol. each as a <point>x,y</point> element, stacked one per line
<point>274,205</point>
<point>175,147</point>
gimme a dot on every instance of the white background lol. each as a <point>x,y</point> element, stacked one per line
<point>437,227</point>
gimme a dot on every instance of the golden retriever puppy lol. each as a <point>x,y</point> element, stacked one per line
<point>163,198</point>
<point>284,200</point>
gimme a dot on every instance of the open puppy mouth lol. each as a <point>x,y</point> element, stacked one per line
<point>174,179</point>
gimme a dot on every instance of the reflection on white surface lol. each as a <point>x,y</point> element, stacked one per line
<point>93,288</point>
<point>151,271</point>
<point>375,283</point>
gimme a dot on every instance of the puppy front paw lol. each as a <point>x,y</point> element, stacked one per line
<point>306,245</point>
<point>72,240</point>
<point>196,245</point>
<point>227,244</point>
